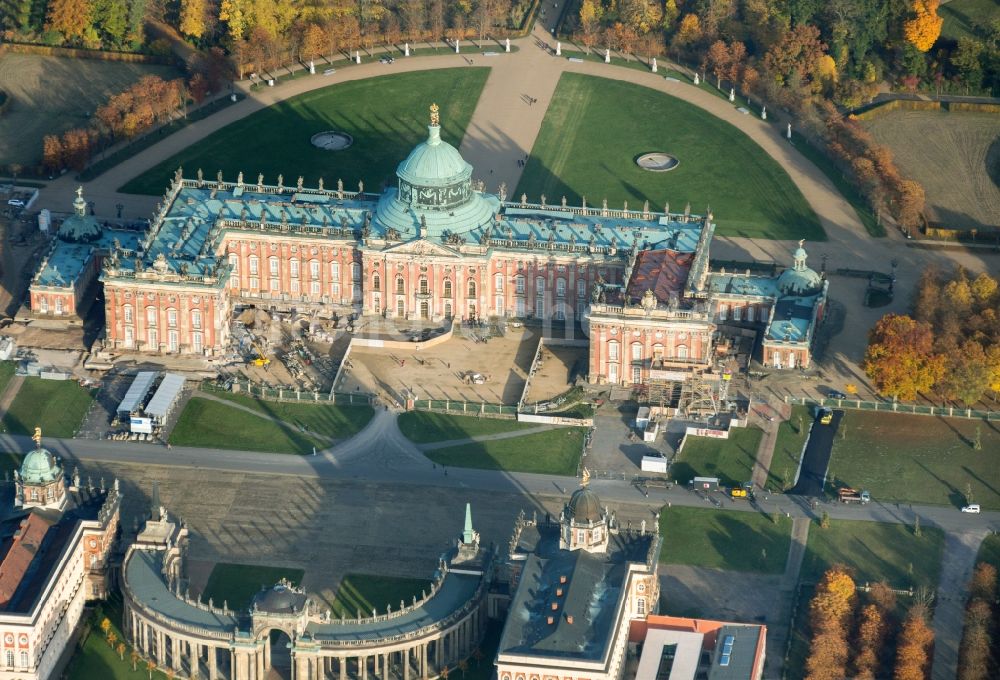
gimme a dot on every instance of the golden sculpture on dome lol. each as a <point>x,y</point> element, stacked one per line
<point>37,437</point>
<point>585,478</point>
<point>435,118</point>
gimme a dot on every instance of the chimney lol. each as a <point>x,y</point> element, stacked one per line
<point>562,579</point>
<point>555,606</point>
<point>559,592</point>
<point>552,620</point>
<point>569,619</point>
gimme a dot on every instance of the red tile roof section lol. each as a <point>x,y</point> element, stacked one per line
<point>662,271</point>
<point>22,551</point>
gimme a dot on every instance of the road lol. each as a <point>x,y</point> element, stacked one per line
<point>380,454</point>
<point>816,458</point>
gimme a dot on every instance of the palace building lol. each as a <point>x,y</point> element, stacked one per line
<point>54,550</point>
<point>435,246</point>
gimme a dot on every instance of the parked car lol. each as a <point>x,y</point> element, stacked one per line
<point>387,60</point>
<point>974,508</point>
<point>835,394</point>
<point>825,416</point>
<point>16,203</point>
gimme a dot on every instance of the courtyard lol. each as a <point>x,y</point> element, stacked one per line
<point>586,148</point>
<point>385,116</point>
<point>439,372</point>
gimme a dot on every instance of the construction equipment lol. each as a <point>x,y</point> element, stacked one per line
<point>744,491</point>
<point>853,496</point>
<point>261,359</point>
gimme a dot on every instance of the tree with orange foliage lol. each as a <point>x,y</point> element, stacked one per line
<point>798,52</point>
<point>72,18</point>
<point>900,359</point>
<point>913,644</point>
<point>871,636</point>
<point>830,614</point>
<point>909,202</point>
<point>924,26</point>
<point>53,154</point>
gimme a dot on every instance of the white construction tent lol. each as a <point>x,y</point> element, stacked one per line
<point>162,403</point>
<point>137,391</point>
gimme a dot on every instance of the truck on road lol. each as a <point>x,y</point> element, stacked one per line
<point>853,496</point>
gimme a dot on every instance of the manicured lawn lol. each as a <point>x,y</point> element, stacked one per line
<point>331,421</point>
<point>731,460</point>
<point>236,584</point>
<point>56,406</point>
<point>595,128</point>
<point>917,459</point>
<point>876,551</point>
<point>791,438</point>
<point>214,425</point>
<point>967,18</point>
<point>424,427</point>
<point>96,660</point>
<point>386,116</point>
<point>555,452</point>
<point>365,592</point>
<point>740,541</point>
<point>6,373</point>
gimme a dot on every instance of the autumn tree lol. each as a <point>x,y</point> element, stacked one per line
<point>192,22</point>
<point>909,202</point>
<point>830,612</point>
<point>913,646</point>
<point>795,56</point>
<point>590,16</point>
<point>924,26</point>
<point>689,31</point>
<point>313,42</point>
<point>69,17</point>
<point>968,373</point>
<point>900,359</point>
<point>53,155</point>
<point>868,645</point>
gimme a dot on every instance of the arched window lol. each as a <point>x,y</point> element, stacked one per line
<point>682,352</point>
<point>314,270</point>
<point>613,350</point>
<point>172,317</point>
<point>151,316</point>
<point>127,312</point>
<point>519,285</point>
<point>498,283</point>
<point>376,282</point>
<point>657,351</point>
<point>400,288</point>
<point>254,263</point>
<point>10,659</point>
<point>581,288</point>
<point>539,285</point>
<point>272,265</point>
<point>472,288</point>
<point>636,351</point>
<point>24,659</point>
<point>195,318</point>
<point>423,285</point>
<point>447,288</point>
<point>561,287</point>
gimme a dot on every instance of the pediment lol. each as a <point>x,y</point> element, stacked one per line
<point>422,247</point>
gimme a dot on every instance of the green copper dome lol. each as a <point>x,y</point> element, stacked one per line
<point>79,227</point>
<point>39,467</point>
<point>800,279</point>
<point>434,176</point>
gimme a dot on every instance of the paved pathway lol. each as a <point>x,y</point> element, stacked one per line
<point>9,393</point>
<point>796,553</point>
<point>960,550</point>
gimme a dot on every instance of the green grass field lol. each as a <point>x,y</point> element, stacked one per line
<point>876,551</point>
<point>236,584</point>
<point>555,452</point>
<point>96,660</point>
<point>587,147</point>
<point>386,116</point>
<point>967,18</point>
<point>331,421</point>
<point>7,369</point>
<point>917,459</point>
<point>424,427</point>
<point>788,446</point>
<point>740,541</point>
<point>214,425</point>
<point>365,592</point>
<point>731,460</point>
<point>56,406</point>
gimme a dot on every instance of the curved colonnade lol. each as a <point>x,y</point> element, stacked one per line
<point>198,640</point>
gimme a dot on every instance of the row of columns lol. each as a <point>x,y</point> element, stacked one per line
<point>193,658</point>
<point>177,652</point>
